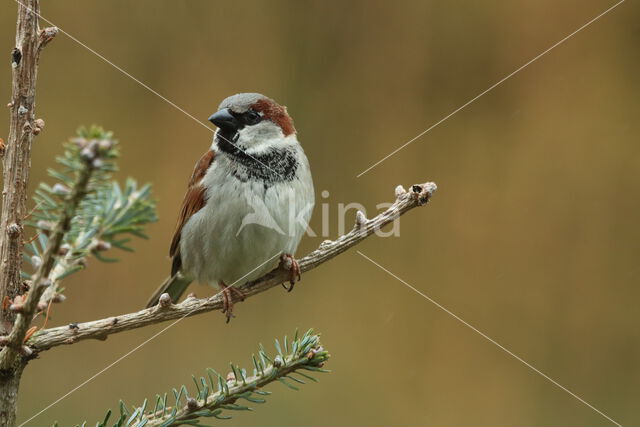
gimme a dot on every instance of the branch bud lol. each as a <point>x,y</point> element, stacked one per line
<point>105,144</point>
<point>58,298</point>
<point>13,230</point>
<point>325,243</point>
<point>61,190</point>
<point>38,125</point>
<point>164,301</point>
<point>87,154</point>
<point>26,351</point>
<point>46,35</point>
<point>16,57</point>
<point>16,308</point>
<point>422,193</point>
<point>36,261</point>
<point>361,219</point>
<point>102,246</point>
<point>277,361</point>
<point>192,404</point>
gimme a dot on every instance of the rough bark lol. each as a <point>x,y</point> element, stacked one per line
<point>16,164</point>
<point>9,386</point>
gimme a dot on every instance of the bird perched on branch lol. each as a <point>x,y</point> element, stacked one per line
<point>248,202</point>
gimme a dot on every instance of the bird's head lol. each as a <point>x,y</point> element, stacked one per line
<point>251,121</point>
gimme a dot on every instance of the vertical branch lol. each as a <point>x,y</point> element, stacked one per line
<point>16,164</point>
<point>17,155</point>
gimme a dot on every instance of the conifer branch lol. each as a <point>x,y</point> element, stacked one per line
<point>26,308</point>
<point>105,214</point>
<point>215,395</point>
<point>83,214</point>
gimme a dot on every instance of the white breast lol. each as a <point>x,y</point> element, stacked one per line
<point>245,226</point>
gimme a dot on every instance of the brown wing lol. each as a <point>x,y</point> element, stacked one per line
<point>193,201</point>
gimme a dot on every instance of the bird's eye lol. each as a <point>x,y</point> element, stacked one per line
<point>252,117</point>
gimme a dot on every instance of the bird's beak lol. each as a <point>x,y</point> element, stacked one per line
<point>224,119</point>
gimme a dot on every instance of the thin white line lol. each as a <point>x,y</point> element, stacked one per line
<point>133,350</point>
<point>197,121</point>
<point>120,69</point>
<point>488,338</point>
<point>490,88</point>
<point>146,86</point>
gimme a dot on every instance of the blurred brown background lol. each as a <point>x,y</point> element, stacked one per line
<point>533,236</point>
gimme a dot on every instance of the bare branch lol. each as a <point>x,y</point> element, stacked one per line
<point>17,152</point>
<point>417,195</point>
<point>16,164</point>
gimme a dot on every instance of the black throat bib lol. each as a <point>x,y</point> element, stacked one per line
<point>272,166</point>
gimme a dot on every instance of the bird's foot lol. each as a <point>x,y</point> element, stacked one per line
<point>227,299</point>
<point>290,264</point>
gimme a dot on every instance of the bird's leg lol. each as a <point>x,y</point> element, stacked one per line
<point>227,299</point>
<point>290,264</point>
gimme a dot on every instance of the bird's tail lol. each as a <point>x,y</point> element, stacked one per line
<point>174,285</point>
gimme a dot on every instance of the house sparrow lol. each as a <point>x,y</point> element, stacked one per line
<point>248,202</point>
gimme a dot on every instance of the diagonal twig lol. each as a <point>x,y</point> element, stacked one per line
<point>417,195</point>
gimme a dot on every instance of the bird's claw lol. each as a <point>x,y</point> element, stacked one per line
<point>290,264</point>
<point>227,299</point>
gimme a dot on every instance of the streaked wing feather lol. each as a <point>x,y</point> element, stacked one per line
<point>194,200</point>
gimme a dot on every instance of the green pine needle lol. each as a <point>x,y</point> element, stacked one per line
<point>309,355</point>
<point>107,212</point>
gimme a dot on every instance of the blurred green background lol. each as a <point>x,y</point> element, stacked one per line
<point>533,236</point>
